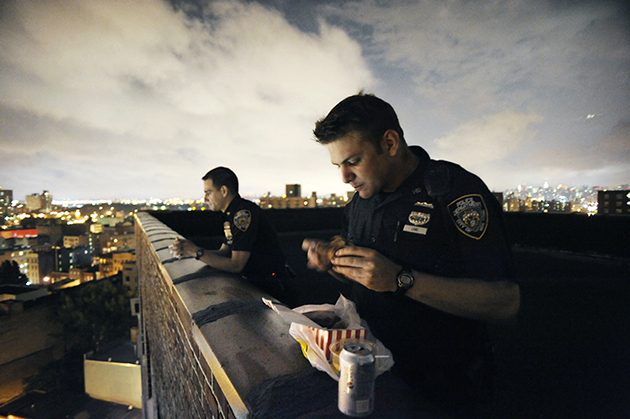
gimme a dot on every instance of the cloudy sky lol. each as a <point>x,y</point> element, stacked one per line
<point>138,99</point>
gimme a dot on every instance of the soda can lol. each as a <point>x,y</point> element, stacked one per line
<point>357,372</point>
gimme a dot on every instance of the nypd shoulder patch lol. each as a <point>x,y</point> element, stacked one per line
<point>243,219</point>
<point>470,215</point>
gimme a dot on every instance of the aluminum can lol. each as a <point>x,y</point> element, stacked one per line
<point>357,372</point>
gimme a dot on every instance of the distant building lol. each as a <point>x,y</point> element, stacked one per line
<point>111,264</point>
<point>39,264</point>
<point>37,202</point>
<point>114,375</point>
<point>293,191</point>
<point>82,274</point>
<point>6,198</point>
<point>121,258</point>
<point>51,234</point>
<point>512,204</point>
<point>21,293</point>
<point>21,257</point>
<point>613,202</point>
<point>30,340</point>
<point>499,197</point>
<point>284,202</point>
<point>75,241</point>
<point>130,275</point>
<point>336,201</point>
<point>56,277</point>
<point>96,228</point>
<point>75,257</point>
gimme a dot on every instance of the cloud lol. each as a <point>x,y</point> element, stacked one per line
<point>503,82</point>
<point>141,98</point>
<point>170,95</point>
<point>489,139</point>
<point>488,55</point>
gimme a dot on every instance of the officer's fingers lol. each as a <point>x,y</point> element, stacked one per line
<point>356,251</point>
<point>317,265</point>
<point>351,273</point>
<point>314,261</point>
<point>307,244</point>
<point>347,261</point>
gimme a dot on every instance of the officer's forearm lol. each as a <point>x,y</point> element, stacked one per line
<point>470,298</point>
<point>233,262</point>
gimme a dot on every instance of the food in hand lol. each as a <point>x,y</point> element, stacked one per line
<point>327,251</point>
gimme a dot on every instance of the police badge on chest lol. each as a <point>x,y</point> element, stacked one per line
<point>418,218</point>
<point>228,232</point>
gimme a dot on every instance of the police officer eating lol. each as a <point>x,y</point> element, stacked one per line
<point>425,251</point>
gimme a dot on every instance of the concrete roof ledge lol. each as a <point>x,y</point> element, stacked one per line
<point>244,344</point>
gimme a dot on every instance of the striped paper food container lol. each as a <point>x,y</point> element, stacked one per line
<point>325,337</point>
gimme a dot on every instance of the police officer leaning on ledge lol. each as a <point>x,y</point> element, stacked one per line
<point>251,246</point>
<point>428,261</point>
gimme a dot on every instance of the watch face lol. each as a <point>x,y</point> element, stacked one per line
<point>405,279</point>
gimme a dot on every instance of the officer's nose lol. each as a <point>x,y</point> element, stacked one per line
<point>347,175</point>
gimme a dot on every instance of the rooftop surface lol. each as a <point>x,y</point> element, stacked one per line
<point>122,351</point>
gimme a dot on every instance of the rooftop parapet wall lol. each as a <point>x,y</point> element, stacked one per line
<point>600,234</point>
<point>203,368</point>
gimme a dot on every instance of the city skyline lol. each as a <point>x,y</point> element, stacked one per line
<point>104,100</point>
<point>320,194</point>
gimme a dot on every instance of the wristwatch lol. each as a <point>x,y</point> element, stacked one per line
<point>404,281</point>
<point>199,253</point>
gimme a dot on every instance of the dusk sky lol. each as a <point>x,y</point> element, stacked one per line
<point>139,99</point>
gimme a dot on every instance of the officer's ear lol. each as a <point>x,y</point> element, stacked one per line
<point>391,142</point>
<point>224,191</point>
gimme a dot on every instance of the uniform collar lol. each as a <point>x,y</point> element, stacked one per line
<point>233,205</point>
<point>413,182</point>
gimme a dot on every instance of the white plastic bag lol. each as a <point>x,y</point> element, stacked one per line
<point>316,340</point>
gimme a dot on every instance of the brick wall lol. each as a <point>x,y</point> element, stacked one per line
<point>176,375</point>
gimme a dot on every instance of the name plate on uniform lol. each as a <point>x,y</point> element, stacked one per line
<point>415,229</point>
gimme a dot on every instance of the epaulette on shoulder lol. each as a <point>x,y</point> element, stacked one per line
<point>437,179</point>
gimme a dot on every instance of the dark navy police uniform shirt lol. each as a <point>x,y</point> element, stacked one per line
<point>247,229</point>
<point>455,231</point>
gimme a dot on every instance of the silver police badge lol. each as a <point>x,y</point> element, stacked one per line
<point>470,215</point>
<point>242,219</point>
<point>418,218</point>
<point>228,232</point>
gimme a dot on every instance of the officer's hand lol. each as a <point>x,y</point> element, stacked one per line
<point>316,259</point>
<point>366,266</point>
<point>178,247</point>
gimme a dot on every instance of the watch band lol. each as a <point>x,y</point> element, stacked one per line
<point>199,253</point>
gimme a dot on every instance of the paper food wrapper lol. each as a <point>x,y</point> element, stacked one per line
<point>317,340</point>
<point>325,338</point>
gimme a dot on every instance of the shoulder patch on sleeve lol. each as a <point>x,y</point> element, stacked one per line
<point>243,219</point>
<point>470,215</point>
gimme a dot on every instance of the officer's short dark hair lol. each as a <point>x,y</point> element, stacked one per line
<point>222,176</point>
<point>363,113</point>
